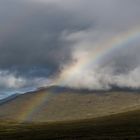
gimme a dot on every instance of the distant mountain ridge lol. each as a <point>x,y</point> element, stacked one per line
<point>9,98</point>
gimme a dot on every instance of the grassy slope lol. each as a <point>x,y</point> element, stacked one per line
<point>119,126</point>
<point>68,105</point>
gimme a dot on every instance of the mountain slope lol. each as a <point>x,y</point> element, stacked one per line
<point>59,104</point>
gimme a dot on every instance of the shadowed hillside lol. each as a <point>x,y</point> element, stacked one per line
<point>123,126</point>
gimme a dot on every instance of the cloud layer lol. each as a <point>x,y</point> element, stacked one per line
<point>43,39</point>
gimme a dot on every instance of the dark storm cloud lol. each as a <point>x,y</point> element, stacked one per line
<point>32,42</point>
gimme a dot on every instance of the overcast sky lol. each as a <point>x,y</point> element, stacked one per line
<point>38,38</point>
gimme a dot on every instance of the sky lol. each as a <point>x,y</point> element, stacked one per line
<point>67,43</point>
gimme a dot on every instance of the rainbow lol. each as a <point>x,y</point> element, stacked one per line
<point>34,105</point>
<point>97,54</point>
